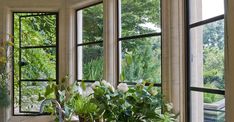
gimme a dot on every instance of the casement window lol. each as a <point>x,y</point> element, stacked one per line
<point>35,59</point>
<point>139,42</point>
<point>206,84</point>
<point>137,45</point>
<point>89,43</point>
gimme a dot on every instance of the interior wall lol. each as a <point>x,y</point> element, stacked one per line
<point>173,55</point>
<point>229,66</point>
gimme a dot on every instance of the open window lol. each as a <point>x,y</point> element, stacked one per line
<point>206,84</point>
<point>35,59</point>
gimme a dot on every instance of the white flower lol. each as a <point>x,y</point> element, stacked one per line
<point>153,91</point>
<point>95,84</point>
<point>108,85</point>
<point>103,82</point>
<point>123,87</point>
<point>112,89</point>
<point>169,106</point>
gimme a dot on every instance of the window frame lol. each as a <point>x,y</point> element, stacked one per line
<point>56,46</point>
<point>86,43</point>
<point>167,29</point>
<point>189,88</point>
<point>127,38</point>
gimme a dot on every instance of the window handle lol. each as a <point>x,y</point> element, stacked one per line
<point>23,63</point>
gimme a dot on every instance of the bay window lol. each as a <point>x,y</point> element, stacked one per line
<point>139,41</point>
<point>89,43</point>
<point>206,85</point>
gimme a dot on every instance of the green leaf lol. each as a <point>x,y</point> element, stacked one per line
<point>40,97</point>
<point>49,90</point>
<point>83,85</point>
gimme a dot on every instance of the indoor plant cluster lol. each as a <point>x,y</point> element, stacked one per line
<point>4,73</point>
<point>138,103</point>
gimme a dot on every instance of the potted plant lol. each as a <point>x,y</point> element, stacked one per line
<point>64,93</point>
<point>127,104</point>
<point>83,107</point>
<point>73,103</point>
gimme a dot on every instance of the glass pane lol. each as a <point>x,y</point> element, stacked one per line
<point>90,62</point>
<point>207,107</point>
<point>139,17</point>
<point>205,9</point>
<point>16,96</point>
<point>207,55</point>
<point>38,63</point>
<point>90,27</point>
<point>30,94</point>
<point>140,60</point>
<point>38,30</point>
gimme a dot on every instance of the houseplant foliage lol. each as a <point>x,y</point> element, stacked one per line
<point>64,93</point>
<point>71,99</point>
<point>4,73</point>
<point>137,103</point>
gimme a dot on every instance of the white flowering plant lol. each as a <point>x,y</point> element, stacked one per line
<point>137,103</point>
<point>130,103</point>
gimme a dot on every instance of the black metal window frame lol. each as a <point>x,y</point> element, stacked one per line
<point>189,88</point>
<point>32,113</point>
<point>83,44</point>
<point>128,38</point>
